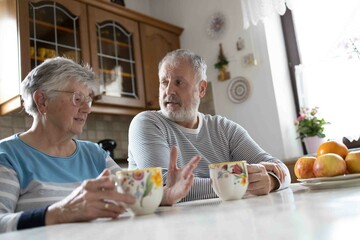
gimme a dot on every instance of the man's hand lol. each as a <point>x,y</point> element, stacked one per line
<point>179,180</point>
<point>275,168</point>
<point>260,181</point>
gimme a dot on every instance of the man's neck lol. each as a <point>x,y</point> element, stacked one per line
<point>190,124</point>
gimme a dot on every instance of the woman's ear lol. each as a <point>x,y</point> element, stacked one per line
<point>40,101</point>
<point>202,88</point>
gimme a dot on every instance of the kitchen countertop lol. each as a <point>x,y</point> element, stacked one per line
<point>297,212</point>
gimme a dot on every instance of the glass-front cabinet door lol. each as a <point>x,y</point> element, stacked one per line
<point>54,31</point>
<point>33,31</point>
<point>56,28</point>
<point>116,58</point>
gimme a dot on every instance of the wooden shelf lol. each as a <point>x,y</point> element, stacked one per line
<point>123,74</point>
<point>106,40</point>
<point>41,59</point>
<point>46,24</point>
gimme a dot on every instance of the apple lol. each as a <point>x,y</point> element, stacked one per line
<point>329,165</point>
<point>353,161</point>
<point>304,167</point>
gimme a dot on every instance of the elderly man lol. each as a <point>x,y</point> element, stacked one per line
<point>182,76</point>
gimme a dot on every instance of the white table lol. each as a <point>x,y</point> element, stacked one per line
<point>293,213</point>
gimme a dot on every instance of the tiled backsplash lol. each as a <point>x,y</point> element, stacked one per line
<point>98,126</point>
<point>115,127</point>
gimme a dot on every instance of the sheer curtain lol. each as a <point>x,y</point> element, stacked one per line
<point>328,34</point>
<point>254,11</point>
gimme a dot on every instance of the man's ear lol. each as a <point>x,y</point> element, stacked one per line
<point>202,88</point>
<point>40,101</point>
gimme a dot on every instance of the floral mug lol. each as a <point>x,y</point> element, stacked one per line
<point>229,179</point>
<point>146,185</point>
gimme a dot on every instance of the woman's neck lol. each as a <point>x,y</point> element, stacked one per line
<point>51,144</point>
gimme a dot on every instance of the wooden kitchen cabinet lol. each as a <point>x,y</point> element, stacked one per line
<point>155,44</point>
<point>123,47</point>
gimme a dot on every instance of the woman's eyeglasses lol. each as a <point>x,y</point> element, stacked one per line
<point>78,98</point>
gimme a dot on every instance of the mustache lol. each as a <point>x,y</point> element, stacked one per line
<point>172,99</point>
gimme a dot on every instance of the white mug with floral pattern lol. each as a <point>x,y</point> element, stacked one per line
<point>229,179</point>
<point>146,185</point>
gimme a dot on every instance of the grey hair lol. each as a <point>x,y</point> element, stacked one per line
<point>54,74</point>
<point>197,62</point>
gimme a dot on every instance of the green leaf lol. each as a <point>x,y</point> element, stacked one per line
<point>148,187</point>
<point>310,125</point>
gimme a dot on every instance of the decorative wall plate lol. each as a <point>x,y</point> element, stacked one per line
<point>238,89</point>
<point>215,25</point>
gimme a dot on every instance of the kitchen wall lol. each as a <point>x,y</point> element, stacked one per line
<point>97,127</point>
<point>268,114</point>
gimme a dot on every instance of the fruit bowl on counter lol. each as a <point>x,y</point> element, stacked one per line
<point>342,181</point>
<point>329,179</point>
<point>333,166</point>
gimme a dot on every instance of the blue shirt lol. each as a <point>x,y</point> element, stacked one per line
<point>31,180</point>
<point>30,164</point>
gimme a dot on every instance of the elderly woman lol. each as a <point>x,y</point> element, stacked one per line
<point>49,177</point>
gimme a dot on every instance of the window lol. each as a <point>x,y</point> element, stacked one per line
<point>328,41</point>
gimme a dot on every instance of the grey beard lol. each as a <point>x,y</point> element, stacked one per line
<point>182,115</point>
<point>179,116</point>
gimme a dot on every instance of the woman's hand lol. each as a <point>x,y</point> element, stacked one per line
<point>178,181</point>
<point>95,198</point>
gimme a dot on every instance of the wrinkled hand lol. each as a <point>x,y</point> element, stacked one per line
<point>275,168</point>
<point>260,182</point>
<point>95,198</point>
<point>179,180</point>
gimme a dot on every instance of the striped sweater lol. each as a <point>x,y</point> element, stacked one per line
<point>31,180</point>
<point>216,139</point>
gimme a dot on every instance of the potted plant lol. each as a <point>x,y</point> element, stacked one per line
<point>222,61</point>
<point>310,128</point>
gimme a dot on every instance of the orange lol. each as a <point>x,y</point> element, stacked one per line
<point>333,147</point>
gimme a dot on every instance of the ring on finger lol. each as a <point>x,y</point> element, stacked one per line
<point>106,206</point>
